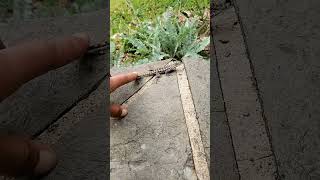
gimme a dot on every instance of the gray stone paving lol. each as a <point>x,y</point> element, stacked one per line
<point>244,112</point>
<point>199,80</point>
<point>152,141</point>
<point>223,161</point>
<point>82,147</point>
<point>247,127</point>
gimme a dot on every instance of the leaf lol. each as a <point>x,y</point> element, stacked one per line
<point>201,45</point>
<point>112,47</point>
<point>165,38</point>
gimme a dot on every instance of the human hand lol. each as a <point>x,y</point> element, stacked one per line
<point>18,65</point>
<point>24,62</point>
<point>117,110</point>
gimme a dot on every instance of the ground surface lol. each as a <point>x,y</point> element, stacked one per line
<point>269,71</point>
<point>152,142</point>
<point>283,39</point>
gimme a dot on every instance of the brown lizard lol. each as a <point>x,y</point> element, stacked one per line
<point>162,70</point>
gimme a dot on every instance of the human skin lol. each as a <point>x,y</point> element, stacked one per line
<point>20,64</point>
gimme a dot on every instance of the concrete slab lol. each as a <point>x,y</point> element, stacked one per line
<point>198,72</point>
<point>191,119</point>
<point>81,136</point>
<point>152,141</point>
<point>244,112</point>
<point>223,162</point>
<point>283,40</point>
<point>247,126</point>
<point>262,169</point>
<point>80,139</point>
<point>26,110</point>
<point>216,96</point>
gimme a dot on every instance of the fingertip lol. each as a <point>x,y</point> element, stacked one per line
<point>119,111</point>
<point>135,74</point>
<point>124,112</point>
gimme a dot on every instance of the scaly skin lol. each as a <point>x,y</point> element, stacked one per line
<point>162,70</point>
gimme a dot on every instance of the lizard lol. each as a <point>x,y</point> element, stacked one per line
<point>162,70</point>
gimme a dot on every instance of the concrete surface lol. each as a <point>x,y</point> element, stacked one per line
<point>26,110</point>
<point>192,122</point>
<point>283,41</point>
<point>152,142</point>
<point>244,111</point>
<point>223,163</point>
<point>80,139</point>
<point>199,80</point>
<point>247,126</point>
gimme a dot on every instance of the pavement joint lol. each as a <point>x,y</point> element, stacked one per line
<point>67,110</point>
<point>244,111</point>
<point>254,80</point>
<point>255,159</point>
<point>224,104</point>
<point>199,158</point>
<point>61,126</point>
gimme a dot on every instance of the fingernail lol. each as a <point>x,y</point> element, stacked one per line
<point>47,161</point>
<point>124,106</point>
<point>136,73</point>
<point>124,112</point>
<point>83,36</point>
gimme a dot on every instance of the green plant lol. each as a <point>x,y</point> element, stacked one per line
<point>124,12</point>
<point>165,38</point>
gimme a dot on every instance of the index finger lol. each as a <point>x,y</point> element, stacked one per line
<point>119,80</point>
<point>24,62</point>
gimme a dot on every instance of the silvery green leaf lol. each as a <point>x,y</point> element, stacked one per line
<point>201,45</point>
